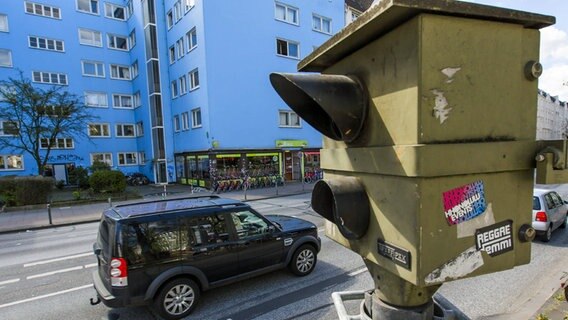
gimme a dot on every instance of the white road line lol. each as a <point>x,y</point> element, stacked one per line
<point>58,259</point>
<point>8,281</point>
<point>91,265</point>
<point>356,272</point>
<point>54,272</point>
<point>45,296</point>
<point>321,230</point>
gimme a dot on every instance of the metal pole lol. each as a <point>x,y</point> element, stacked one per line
<point>49,213</point>
<point>109,201</point>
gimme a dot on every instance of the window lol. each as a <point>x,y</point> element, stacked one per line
<point>180,48</point>
<point>289,119</point>
<point>177,11</point>
<point>122,101</point>
<point>132,39</point>
<point>8,128</point>
<point>170,19</point>
<point>127,158</point>
<point>90,37</point>
<point>117,42</point>
<point>125,130</point>
<point>146,242</point>
<point>99,130</point>
<point>45,44</point>
<point>191,38</point>
<point>4,23</point>
<point>129,8</point>
<point>187,5</point>
<point>49,77</point>
<point>196,118</point>
<point>172,53</point>
<point>176,123</point>
<point>248,224</point>
<point>193,80</point>
<point>174,89</point>
<point>59,143</point>
<point>5,58</point>
<point>11,162</point>
<point>96,99</point>
<point>287,48</point>
<point>43,10</point>
<point>88,6</point>
<point>141,157</point>
<point>119,72</point>
<point>134,69</point>
<point>93,69</point>
<point>137,101</point>
<point>102,157</point>
<point>183,85</point>
<point>185,121</point>
<point>114,11</point>
<point>206,230</point>
<point>321,24</point>
<point>286,13</point>
<point>139,129</point>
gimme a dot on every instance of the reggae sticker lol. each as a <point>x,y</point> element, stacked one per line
<point>464,203</point>
<point>495,239</point>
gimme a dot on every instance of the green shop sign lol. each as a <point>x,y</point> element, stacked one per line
<point>291,143</point>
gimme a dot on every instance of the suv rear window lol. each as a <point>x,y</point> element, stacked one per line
<point>145,242</point>
<point>106,230</point>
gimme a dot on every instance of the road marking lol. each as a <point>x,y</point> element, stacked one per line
<point>356,272</point>
<point>91,265</point>
<point>321,229</point>
<point>45,296</point>
<point>9,281</point>
<point>58,259</point>
<point>54,272</point>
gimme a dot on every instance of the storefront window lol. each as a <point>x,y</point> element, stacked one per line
<point>229,165</point>
<point>203,167</point>
<point>180,169</point>
<point>263,164</point>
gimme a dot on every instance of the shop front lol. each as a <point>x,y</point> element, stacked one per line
<point>290,162</point>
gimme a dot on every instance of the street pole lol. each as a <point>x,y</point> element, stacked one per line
<point>49,213</point>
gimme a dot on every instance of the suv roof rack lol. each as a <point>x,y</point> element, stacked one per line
<point>174,204</point>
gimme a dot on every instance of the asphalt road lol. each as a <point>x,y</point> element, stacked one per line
<point>46,274</point>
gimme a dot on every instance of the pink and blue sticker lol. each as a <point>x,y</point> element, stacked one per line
<point>464,203</point>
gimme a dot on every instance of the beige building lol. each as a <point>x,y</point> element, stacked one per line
<point>552,117</point>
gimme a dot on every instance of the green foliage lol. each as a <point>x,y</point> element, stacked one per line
<point>77,195</point>
<point>98,166</point>
<point>21,191</point>
<point>79,177</point>
<point>107,181</point>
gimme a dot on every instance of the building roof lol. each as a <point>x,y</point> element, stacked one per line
<point>360,5</point>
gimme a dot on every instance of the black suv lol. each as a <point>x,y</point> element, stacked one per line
<point>166,252</point>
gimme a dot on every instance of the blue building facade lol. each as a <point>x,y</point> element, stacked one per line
<point>180,88</point>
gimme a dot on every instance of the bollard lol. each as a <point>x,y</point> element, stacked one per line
<point>109,200</point>
<point>49,213</point>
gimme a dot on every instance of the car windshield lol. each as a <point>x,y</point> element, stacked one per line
<point>536,203</point>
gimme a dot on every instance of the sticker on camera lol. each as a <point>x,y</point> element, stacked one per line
<point>397,255</point>
<point>464,203</point>
<point>495,239</point>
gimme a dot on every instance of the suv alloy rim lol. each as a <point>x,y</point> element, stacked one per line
<point>305,260</point>
<point>179,299</point>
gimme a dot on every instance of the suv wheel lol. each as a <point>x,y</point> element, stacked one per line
<point>177,299</point>
<point>547,235</point>
<point>304,260</point>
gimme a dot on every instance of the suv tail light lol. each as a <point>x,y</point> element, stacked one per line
<point>541,216</point>
<point>118,272</point>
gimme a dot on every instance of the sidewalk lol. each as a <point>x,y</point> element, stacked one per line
<point>37,218</point>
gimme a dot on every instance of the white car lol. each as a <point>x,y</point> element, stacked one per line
<point>549,212</point>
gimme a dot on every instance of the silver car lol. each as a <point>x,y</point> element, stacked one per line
<point>549,212</point>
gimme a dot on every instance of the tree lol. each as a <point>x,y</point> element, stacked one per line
<point>34,118</point>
